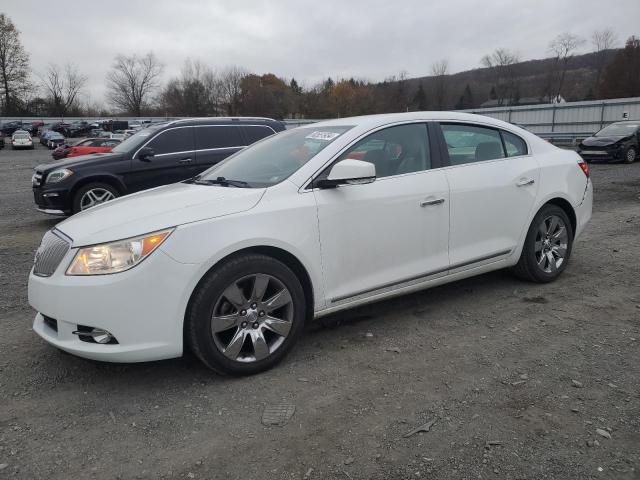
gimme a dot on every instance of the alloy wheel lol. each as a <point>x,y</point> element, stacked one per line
<point>94,197</point>
<point>551,244</point>
<point>252,318</point>
<point>631,155</point>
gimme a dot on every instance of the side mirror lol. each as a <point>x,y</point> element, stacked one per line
<point>146,154</point>
<point>348,172</point>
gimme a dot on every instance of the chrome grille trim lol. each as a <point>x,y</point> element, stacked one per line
<point>52,250</point>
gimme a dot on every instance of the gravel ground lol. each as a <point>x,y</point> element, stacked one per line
<point>519,378</point>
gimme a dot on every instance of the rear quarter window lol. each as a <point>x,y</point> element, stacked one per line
<point>514,145</point>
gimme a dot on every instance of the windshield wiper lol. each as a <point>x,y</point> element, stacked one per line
<point>222,182</point>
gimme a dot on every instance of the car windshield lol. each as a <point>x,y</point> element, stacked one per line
<point>275,158</point>
<point>135,141</point>
<point>22,136</point>
<point>618,130</point>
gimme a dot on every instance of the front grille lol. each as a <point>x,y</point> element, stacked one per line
<point>50,253</point>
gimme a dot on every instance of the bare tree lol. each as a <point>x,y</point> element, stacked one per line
<point>195,92</point>
<point>563,47</point>
<point>230,88</point>
<point>439,70</point>
<point>14,65</point>
<point>602,40</point>
<point>505,81</point>
<point>132,81</point>
<point>62,86</point>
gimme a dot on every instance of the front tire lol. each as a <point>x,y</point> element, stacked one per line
<point>93,194</point>
<point>630,155</point>
<point>245,315</point>
<point>547,246</point>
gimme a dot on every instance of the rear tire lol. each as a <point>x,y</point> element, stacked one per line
<point>245,315</point>
<point>547,246</point>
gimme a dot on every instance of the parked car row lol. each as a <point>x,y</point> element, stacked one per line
<point>8,128</point>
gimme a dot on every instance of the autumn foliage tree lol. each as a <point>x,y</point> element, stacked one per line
<point>264,95</point>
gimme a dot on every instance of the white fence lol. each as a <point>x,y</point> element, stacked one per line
<point>567,118</point>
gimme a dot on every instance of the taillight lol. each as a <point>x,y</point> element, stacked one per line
<point>584,166</point>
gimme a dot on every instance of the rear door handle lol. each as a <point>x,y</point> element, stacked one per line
<point>426,203</point>
<point>185,160</point>
<point>524,183</point>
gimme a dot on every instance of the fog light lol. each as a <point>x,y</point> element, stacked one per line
<point>97,334</point>
<point>101,336</point>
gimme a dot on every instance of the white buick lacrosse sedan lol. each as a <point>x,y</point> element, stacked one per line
<point>317,219</point>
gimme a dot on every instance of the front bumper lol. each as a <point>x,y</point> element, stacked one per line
<point>604,153</point>
<point>52,201</point>
<point>143,308</point>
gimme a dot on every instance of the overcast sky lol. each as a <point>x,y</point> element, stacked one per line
<point>308,40</point>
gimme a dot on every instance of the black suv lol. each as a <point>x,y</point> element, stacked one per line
<point>618,141</point>
<point>158,155</point>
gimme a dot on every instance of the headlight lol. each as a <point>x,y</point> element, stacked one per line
<point>58,175</point>
<point>116,256</point>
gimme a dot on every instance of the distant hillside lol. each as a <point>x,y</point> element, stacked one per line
<point>531,77</point>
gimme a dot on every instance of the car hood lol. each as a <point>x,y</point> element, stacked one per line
<point>156,209</point>
<point>91,159</point>
<point>601,141</point>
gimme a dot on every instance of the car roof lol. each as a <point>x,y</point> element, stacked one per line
<point>223,121</point>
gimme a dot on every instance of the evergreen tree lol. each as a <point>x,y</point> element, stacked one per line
<point>420,99</point>
<point>466,99</point>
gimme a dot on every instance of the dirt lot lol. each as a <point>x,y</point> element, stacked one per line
<point>518,377</point>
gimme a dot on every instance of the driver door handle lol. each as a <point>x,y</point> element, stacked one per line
<point>524,182</point>
<point>426,203</point>
<point>185,160</point>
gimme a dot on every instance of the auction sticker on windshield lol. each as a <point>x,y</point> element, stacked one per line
<point>326,136</point>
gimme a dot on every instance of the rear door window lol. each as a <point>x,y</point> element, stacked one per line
<point>172,141</point>
<point>471,143</point>
<point>218,136</point>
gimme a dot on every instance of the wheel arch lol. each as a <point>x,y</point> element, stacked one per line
<point>101,178</point>
<point>567,207</point>
<point>277,253</point>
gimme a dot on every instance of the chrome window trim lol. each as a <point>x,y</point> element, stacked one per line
<point>494,127</point>
<point>306,186</point>
<point>202,149</point>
